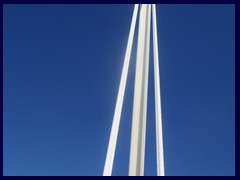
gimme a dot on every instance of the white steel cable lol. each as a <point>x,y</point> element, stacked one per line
<point>158,112</point>
<point>118,108</point>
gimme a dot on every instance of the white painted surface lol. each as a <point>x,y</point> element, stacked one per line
<point>118,108</point>
<point>158,112</point>
<point>137,151</point>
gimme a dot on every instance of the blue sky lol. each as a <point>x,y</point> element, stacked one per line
<point>61,72</point>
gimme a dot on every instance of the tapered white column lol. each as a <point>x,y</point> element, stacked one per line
<point>158,112</point>
<point>118,108</point>
<point>137,151</point>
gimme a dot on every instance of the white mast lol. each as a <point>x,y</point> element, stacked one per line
<point>118,108</point>
<point>158,112</point>
<point>138,136</point>
<point>137,151</point>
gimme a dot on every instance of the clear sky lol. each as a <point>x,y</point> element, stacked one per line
<point>61,72</point>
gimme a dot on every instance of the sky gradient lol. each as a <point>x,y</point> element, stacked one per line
<point>61,71</point>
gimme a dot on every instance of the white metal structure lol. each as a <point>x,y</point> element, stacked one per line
<point>118,109</point>
<point>158,112</point>
<point>137,151</point>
